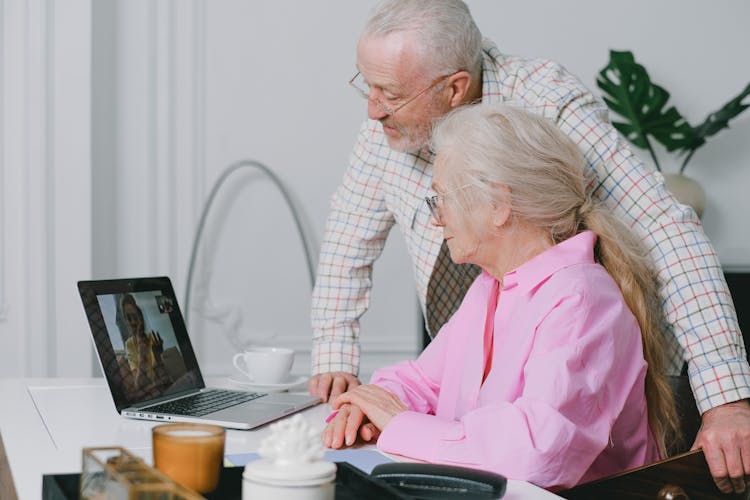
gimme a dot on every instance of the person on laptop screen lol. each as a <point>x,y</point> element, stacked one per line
<point>146,368</point>
<point>552,370</point>
<point>143,350</point>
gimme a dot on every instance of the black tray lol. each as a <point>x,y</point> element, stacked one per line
<point>351,484</point>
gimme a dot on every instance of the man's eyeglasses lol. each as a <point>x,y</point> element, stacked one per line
<point>434,202</point>
<point>360,85</point>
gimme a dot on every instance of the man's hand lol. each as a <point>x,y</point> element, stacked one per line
<point>724,437</point>
<point>327,386</point>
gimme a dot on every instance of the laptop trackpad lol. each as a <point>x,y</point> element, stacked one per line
<point>253,411</point>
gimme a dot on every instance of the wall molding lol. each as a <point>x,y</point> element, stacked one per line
<point>177,131</point>
<point>26,98</point>
<point>45,167</point>
<point>191,130</point>
<point>3,185</point>
<point>176,143</point>
<point>162,137</point>
<point>38,236</point>
<point>198,132</point>
<point>14,62</point>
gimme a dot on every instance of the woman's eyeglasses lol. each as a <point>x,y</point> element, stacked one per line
<point>434,202</point>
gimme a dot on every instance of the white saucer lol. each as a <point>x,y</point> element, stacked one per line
<point>292,381</point>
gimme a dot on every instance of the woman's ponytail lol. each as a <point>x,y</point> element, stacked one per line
<point>621,254</point>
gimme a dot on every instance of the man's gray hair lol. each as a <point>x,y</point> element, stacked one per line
<point>448,36</point>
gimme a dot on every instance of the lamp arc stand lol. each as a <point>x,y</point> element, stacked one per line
<point>234,167</point>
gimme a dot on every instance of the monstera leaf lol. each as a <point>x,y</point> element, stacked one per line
<point>629,92</point>
<point>715,122</point>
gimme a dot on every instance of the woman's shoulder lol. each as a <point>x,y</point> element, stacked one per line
<point>584,295</point>
<point>589,281</point>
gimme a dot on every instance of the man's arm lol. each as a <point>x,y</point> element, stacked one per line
<point>356,230</point>
<point>697,303</point>
<point>696,300</point>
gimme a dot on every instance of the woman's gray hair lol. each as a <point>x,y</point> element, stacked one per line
<point>449,38</point>
<point>499,145</point>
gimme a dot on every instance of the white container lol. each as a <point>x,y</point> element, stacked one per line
<point>291,465</point>
<point>265,479</point>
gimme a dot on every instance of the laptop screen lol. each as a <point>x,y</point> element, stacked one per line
<point>140,338</point>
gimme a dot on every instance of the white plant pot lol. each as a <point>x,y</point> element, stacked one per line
<point>687,191</point>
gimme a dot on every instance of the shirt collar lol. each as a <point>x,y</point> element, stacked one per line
<point>492,72</point>
<point>576,250</point>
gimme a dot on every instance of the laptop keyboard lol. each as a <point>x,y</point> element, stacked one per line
<point>204,403</point>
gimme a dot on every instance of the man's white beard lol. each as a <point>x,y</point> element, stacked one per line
<point>412,142</point>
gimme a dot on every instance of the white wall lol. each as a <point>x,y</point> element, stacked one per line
<point>201,85</point>
<point>696,50</point>
<point>180,89</point>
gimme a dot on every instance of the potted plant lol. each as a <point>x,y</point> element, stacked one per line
<point>628,91</point>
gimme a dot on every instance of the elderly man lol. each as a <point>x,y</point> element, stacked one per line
<point>419,59</point>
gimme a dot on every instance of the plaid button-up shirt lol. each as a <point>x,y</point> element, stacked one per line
<point>383,187</point>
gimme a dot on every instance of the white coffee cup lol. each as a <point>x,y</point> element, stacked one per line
<point>265,365</point>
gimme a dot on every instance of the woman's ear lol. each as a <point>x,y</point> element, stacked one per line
<point>500,213</point>
<point>501,209</point>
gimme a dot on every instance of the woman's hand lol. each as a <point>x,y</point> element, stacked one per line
<point>364,411</point>
<point>157,345</point>
<point>377,404</point>
<point>342,430</point>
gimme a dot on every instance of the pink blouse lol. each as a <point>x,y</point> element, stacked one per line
<point>564,401</point>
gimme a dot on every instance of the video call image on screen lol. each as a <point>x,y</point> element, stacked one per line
<point>149,360</point>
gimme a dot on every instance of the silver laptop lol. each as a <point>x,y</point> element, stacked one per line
<point>150,366</point>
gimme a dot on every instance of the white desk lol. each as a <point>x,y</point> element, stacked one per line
<point>45,423</point>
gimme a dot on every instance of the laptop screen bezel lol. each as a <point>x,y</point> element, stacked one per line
<point>90,291</point>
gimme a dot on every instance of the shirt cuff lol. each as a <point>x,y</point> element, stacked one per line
<point>416,435</point>
<point>335,357</point>
<point>719,384</point>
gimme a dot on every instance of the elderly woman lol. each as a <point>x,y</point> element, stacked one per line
<point>551,369</point>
